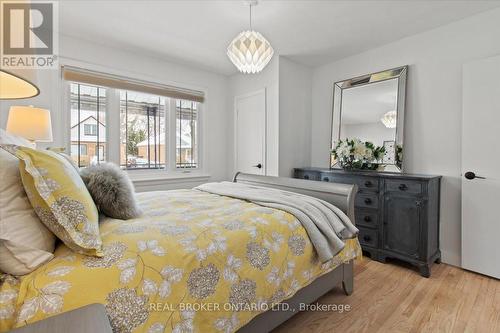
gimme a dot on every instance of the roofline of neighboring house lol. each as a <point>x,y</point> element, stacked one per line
<point>86,120</point>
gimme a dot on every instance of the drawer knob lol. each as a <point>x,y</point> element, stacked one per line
<point>368,201</point>
<point>403,187</point>
<point>367,218</point>
<point>367,238</point>
<point>326,179</point>
<point>368,183</point>
<point>306,176</point>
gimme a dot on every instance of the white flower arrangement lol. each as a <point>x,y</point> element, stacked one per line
<point>356,154</point>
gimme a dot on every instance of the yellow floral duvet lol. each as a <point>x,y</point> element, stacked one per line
<point>193,262</point>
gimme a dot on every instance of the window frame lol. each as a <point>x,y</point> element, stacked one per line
<point>89,126</point>
<point>196,134</point>
<point>84,145</point>
<point>112,153</point>
<point>166,145</point>
<point>66,117</point>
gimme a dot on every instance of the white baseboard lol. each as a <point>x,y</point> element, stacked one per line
<point>451,258</point>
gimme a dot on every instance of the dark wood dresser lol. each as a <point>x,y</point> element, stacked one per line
<point>397,214</point>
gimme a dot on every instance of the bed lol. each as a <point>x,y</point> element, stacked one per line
<point>193,262</point>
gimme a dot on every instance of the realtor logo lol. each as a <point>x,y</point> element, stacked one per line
<point>28,35</point>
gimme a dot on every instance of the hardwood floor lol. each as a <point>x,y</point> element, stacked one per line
<point>392,298</point>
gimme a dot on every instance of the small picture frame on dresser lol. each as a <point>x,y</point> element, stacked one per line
<point>389,152</point>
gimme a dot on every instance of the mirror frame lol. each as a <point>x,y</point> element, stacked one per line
<point>399,73</point>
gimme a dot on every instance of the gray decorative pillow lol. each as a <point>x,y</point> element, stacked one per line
<point>112,190</point>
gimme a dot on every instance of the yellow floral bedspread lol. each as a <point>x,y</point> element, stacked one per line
<point>194,262</point>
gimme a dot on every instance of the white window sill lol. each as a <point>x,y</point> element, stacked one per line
<point>154,176</point>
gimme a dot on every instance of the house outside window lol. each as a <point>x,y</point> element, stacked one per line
<point>74,149</point>
<point>90,129</point>
<point>88,124</point>
<point>135,129</point>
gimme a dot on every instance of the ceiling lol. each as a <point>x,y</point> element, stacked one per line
<point>368,103</point>
<point>311,32</point>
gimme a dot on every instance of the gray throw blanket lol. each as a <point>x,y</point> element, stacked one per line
<point>326,225</point>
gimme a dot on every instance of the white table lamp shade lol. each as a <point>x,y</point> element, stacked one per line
<point>30,123</point>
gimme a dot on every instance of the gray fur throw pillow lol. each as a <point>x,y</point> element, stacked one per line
<point>112,190</point>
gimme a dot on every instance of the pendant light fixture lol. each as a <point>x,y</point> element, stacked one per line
<point>250,52</point>
<point>15,87</point>
<point>389,119</point>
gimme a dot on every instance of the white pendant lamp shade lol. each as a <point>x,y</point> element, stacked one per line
<point>250,52</point>
<point>389,119</point>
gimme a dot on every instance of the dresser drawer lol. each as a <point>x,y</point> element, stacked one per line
<point>367,200</point>
<point>328,177</point>
<point>403,186</point>
<point>308,175</point>
<point>366,183</point>
<point>368,237</point>
<point>366,217</point>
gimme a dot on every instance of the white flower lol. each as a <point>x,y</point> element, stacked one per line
<point>343,149</point>
<point>273,276</point>
<point>7,295</point>
<point>354,150</point>
<point>276,243</point>
<point>360,150</point>
<point>232,265</point>
<point>227,325</point>
<point>60,271</point>
<point>127,267</point>
<point>151,245</point>
<point>289,270</point>
<point>170,275</point>
<point>149,287</point>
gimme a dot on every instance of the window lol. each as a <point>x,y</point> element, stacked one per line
<point>186,123</point>
<point>74,149</point>
<point>90,129</point>
<point>142,131</point>
<point>138,125</point>
<point>88,124</point>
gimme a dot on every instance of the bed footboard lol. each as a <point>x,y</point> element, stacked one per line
<point>267,321</point>
<point>340,195</point>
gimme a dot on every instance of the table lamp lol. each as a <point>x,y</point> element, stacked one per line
<point>30,123</point>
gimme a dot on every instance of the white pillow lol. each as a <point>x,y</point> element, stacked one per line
<point>25,242</point>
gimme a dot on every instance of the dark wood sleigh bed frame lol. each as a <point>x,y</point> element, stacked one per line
<point>340,195</point>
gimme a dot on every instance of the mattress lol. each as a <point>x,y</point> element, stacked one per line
<point>193,262</point>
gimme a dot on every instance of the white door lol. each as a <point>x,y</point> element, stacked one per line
<point>481,167</point>
<point>250,133</point>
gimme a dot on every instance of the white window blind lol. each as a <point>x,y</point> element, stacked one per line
<point>76,74</point>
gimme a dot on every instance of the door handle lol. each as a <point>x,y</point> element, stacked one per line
<point>471,175</point>
<point>258,166</point>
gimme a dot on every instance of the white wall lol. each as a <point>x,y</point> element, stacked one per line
<point>434,104</point>
<point>288,133</point>
<point>294,116</point>
<point>103,58</point>
<point>241,84</point>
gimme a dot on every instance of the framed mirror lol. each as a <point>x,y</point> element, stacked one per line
<point>368,120</point>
